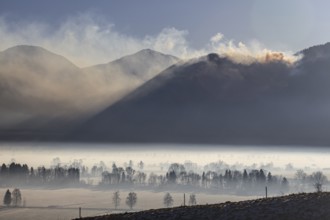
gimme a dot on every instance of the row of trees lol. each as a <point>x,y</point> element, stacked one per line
<point>131,200</point>
<point>235,181</point>
<point>17,174</point>
<point>232,181</point>
<point>316,179</point>
<point>13,198</point>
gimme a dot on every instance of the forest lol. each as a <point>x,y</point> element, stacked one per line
<point>215,178</point>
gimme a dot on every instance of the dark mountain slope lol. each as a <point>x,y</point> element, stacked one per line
<point>213,100</point>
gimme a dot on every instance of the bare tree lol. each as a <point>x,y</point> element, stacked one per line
<point>318,179</point>
<point>300,177</point>
<point>116,199</point>
<point>131,200</point>
<point>192,199</point>
<point>16,197</point>
<point>168,200</point>
<point>141,165</point>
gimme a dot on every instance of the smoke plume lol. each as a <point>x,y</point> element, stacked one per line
<point>87,39</point>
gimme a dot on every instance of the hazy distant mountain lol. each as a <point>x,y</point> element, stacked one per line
<point>40,90</point>
<point>35,82</point>
<point>214,100</point>
<point>129,72</point>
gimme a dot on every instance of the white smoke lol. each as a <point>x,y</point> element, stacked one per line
<point>246,54</point>
<point>87,39</point>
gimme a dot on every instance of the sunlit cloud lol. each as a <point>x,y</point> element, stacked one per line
<point>87,39</point>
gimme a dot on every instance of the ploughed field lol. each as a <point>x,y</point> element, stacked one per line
<point>295,206</point>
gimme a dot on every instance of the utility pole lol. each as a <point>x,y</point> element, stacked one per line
<point>79,212</point>
<point>266,192</point>
<point>184,199</point>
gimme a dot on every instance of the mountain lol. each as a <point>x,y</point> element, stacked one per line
<point>129,72</point>
<point>44,92</point>
<point>35,82</point>
<point>215,100</point>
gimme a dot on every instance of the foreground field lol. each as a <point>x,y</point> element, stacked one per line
<point>62,204</point>
<point>296,206</point>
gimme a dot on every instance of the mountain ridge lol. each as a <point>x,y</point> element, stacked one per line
<point>40,89</point>
<point>214,100</point>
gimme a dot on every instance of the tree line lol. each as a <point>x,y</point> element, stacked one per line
<point>17,174</point>
<point>246,181</point>
<point>230,180</point>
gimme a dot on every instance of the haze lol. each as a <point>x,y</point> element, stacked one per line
<point>212,100</point>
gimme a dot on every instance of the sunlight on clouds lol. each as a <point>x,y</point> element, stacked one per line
<point>216,38</point>
<point>246,54</point>
<point>88,40</point>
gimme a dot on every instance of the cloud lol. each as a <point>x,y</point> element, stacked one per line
<point>246,54</point>
<point>87,39</point>
<point>216,38</point>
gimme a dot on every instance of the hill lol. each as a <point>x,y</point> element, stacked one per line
<point>43,93</point>
<point>139,67</point>
<point>212,99</point>
<point>35,83</point>
<point>304,206</point>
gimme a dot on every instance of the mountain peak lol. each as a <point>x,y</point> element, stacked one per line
<point>150,52</point>
<point>147,50</point>
<point>25,49</point>
<point>36,55</point>
<point>215,58</point>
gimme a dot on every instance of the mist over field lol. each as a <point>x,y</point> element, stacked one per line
<point>216,174</point>
<point>116,106</point>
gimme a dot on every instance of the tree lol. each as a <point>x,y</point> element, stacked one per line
<point>129,174</point>
<point>261,178</point>
<point>285,184</point>
<point>131,200</point>
<point>245,176</point>
<point>269,178</point>
<point>7,198</point>
<point>318,179</point>
<point>141,165</point>
<point>300,177</point>
<point>192,199</point>
<point>16,197</point>
<point>116,199</point>
<point>168,200</point>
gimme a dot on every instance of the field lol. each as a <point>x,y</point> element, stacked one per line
<point>62,204</point>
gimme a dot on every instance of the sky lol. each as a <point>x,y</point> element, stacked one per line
<point>91,32</point>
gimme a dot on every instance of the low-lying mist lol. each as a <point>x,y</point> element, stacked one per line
<point>59,178</point>
<point>92,153</point>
